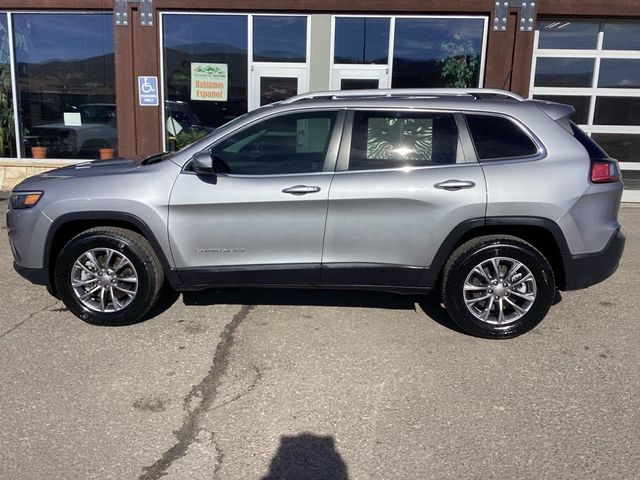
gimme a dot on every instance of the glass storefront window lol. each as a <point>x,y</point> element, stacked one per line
<point>577,35</point>
<point>619,73</point>
<point>437,52</point>
<point>603,84</point>
<point>279,39</point>
<point>360,40</point>
<point>7,125</point>
<point>564,72</point>
<point>621,36</point>
<point>205,71</point>
<point>66,83</point>
<point>617,111</point>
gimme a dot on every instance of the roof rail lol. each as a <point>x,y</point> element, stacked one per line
<point>406,92</point>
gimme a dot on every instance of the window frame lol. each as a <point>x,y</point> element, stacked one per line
<point>330,155</point>
<point>465,147</point>
<point>541,150</point>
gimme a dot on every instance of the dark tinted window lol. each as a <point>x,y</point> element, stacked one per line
<point>279,39</point>
<point>393,140</point>
<point>624,147</point>
<point>361,40</point>
<point>498,137</point>
<point>593,149</point>
<point>621,36</point>
<point>617,111</point>
<point>564,72</point>
<point>287,144</point>
<point>568,34</point>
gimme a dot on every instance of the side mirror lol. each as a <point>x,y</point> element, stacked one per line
<point>202,162</point>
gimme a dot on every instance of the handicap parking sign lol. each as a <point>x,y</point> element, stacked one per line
<point>148,91</point>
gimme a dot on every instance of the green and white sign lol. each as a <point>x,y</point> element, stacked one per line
<point>209,82</point>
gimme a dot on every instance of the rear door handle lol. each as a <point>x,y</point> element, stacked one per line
<point>301,189</point>
<point>455,184</point>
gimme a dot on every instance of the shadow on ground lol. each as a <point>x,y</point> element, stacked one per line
<point>307,456</point>
<point>322,298</point>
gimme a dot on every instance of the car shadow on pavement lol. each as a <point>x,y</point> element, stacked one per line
<point>429,304</point>
<point>307,456</point>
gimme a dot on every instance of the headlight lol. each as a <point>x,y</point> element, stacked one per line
<point>20,200</point>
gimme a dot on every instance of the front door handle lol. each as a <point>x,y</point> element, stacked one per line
<point>301,189</point>
<point>455,184</point>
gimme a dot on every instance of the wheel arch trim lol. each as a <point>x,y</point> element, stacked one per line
<point>94,216</point>
<point>459,234</point>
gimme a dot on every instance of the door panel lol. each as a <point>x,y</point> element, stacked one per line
<point>272,83</point>
<point>247,220</point>
<point>386,222</point>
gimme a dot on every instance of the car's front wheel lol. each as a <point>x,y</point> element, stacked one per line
<point>108,276</point>
<point>497,286</point>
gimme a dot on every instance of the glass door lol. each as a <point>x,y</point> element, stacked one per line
<point>275,83</point>
<point>358,77</point>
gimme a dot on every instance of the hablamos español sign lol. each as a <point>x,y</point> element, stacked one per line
<point>209,82</point>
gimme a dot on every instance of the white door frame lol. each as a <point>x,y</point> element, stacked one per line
<point>275,70</point>
<point>360,72</point>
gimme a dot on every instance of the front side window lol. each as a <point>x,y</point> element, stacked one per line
<point>287,144</point>
<point>498,137</point>
<point>382,140</point>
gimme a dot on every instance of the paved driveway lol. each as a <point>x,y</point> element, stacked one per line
<point>265,384</point>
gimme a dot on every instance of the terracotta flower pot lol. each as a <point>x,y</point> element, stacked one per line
<point>39,152</point>
<point>106,153</point>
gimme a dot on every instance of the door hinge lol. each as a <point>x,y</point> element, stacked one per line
<point>527,14</point>
<point>121,16</point>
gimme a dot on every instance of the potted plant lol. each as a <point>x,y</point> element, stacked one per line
<point>38,151</point>
<point>106,152</point>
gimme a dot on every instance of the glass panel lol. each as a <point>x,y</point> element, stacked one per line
<point>362,40</point>
<point>66,82</point>
<point>619,73</point>
<point>279,39</point>
<point>623,147</point>
<point>621,36</point>
<point>359,83</point>
<point>437,52</point>
<point>384,140</point>
<point>498,137</point>
<point>631,179</point>
<point>220,43</point>
<point>7,126</point>
<point>564,72</point>
<point>581,104</point>
<point>617,111</point>
<point>287,144</point>
<point>274,89</point>
<point>564,34</point>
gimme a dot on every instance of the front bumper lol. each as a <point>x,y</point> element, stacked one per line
<point>38,276</point>
<point>582,271</point>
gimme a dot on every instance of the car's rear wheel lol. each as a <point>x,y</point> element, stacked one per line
<point>108,276</point>
<point>497,286</point>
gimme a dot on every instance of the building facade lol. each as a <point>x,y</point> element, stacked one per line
<point>80,79</point>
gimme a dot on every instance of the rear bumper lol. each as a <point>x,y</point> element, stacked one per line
<point>582,271</point>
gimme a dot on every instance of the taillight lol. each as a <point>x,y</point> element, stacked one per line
<point>604,171</point>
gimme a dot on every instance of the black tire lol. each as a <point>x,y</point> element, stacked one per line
<point>138,252</point>
<point>473,253</point>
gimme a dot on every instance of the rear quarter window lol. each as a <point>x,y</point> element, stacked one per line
<point>497,138</point>
<point>594,150</point>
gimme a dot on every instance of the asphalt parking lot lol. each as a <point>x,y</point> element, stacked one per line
<point>263,384</point>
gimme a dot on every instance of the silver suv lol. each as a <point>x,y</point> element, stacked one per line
<point>488,199</point>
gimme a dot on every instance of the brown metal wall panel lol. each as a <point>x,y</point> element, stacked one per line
<point>56,4</point>
<point>125,90</point>
<point>499,56</point>
<point>146,62</point>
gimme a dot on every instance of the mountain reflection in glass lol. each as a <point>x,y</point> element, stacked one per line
<point>66,83</point>
<point>437,52</point>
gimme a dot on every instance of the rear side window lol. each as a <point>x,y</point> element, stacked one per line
<point>594,150</point>
<point>498,137</point>
<point>383,140</point>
